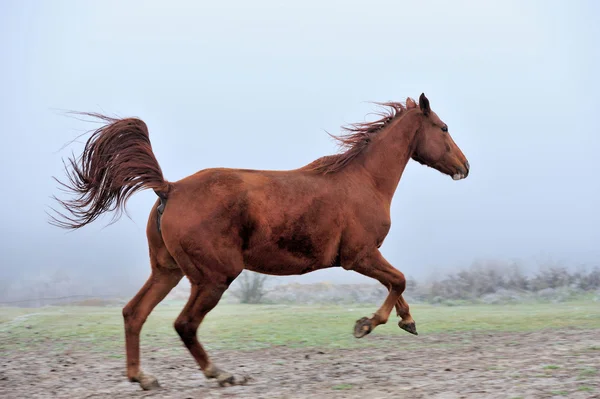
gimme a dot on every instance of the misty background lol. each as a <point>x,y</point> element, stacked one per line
<point>258,84</point>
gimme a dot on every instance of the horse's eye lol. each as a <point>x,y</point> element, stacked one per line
<point>445,128</point>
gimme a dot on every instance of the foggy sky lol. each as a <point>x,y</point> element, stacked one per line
<point>258,84</point>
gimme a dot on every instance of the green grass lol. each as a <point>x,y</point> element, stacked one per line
<point>256,326</point>
<point>342,387</point>
<point>551,367</point>
<point>589,372</point>
<point>561,393</point>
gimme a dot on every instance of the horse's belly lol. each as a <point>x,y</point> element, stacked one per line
<point>284,263</point>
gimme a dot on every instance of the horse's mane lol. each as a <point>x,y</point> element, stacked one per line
<point>355,139</point>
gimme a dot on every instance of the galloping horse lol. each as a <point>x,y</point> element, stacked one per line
<point>215,223</point>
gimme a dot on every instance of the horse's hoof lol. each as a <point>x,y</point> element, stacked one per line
<point>224,378</point>
<point>408,327</point>
<point>147,382</point>
<point>362,327</point>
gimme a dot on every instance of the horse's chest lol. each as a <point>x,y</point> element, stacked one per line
<point>375,221</point>
<point>382,232</point>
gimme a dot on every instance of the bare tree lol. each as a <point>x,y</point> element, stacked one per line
<point>250,287</point>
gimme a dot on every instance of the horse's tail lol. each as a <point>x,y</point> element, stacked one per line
<point>117,161</point>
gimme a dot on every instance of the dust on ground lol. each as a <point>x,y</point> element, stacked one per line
<point>541,364</point>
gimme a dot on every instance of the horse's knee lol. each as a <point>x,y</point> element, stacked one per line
<point>399,283</point>
<point>186,330</point>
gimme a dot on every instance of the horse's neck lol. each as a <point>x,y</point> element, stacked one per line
<point>389,152</point>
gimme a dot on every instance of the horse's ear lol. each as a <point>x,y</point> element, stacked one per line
<point>424,104</point>
<point>410,103</point>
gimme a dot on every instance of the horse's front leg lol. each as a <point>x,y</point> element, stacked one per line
<point>375,266</point>
<point>403,311</point>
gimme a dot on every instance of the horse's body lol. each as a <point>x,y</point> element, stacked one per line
<point>213,224</point>
<point>285,223</point>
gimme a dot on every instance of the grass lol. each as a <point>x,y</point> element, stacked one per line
<point>551,367</point>
<point>561,393</point>
<point>589,372</point>
<point>245,327</point>
<point>342,387</point>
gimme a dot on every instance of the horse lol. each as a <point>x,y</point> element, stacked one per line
<point>211,225</point>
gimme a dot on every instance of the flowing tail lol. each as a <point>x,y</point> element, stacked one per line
<point>117,162</point>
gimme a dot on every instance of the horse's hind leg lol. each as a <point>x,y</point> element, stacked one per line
<point>160,283</point>
<point>208,285</point>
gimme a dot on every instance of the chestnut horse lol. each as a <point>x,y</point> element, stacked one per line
<point>215,223</point>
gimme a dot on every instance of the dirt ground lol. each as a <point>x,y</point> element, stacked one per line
<point>541,364</point>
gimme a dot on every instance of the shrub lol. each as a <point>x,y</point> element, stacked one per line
<point>495,282</point>
<point>249,287</point>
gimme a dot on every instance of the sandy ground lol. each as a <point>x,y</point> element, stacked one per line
<point>542,364</point>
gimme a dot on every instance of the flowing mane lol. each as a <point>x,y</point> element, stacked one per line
<point>355,139</point>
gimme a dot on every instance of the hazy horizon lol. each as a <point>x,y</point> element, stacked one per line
<point>258,86</point>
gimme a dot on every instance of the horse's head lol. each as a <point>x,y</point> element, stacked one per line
<point>434,146</point>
